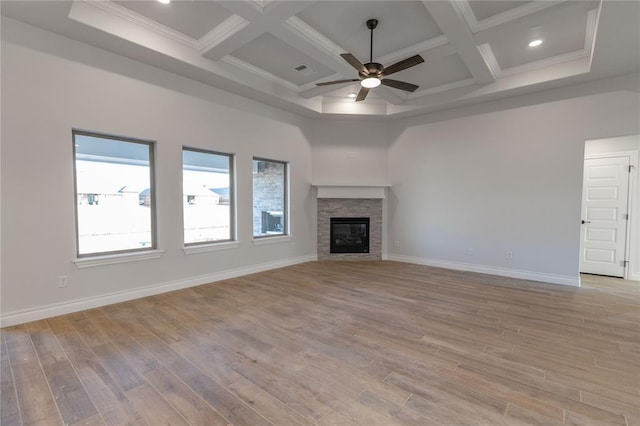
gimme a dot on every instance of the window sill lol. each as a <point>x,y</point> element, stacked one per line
<point>271,240</point>
<point>111,259</point>
<point>202,248</point>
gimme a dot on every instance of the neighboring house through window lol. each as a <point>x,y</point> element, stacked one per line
<point>208,192</point>
<point>115,209</point>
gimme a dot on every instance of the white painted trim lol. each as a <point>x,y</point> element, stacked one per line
<point>48,311</point>
<point>308,33</point>
<point>491,270</point>
<point>138,19</point>
<point>232,60</point>
<point>203,248</point>
<point>424,46</point>
<point>464,8</point>
<point>260,241</point>
<point>491,61</point>
<point>590,31</point>
<point>351,191</point>
<point>217,35</point>
<point>543,63</point>
<point>111,259</point>
<point>442,88</point>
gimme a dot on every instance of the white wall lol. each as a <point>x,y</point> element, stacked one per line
<point>508,180</point>
<point>629,143</point>
<point>52,85</point>
<point>349,152</point>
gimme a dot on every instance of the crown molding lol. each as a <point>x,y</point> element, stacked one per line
<point>231,60</point>
<point>424,46</point>
<point>490,59</point>
<point>492,62</point>
<point>142,21</point>
<point>590,31</point>
<point>464,8</point>
<point>442,88</point>
<point>220,33</point>
<point>308,33</point>
<point>543,63</point>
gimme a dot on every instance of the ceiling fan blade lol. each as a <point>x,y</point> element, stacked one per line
<point>327,83</point>
<point>354,62</point>
<point>408,87</point>
<point>403,65</point>
<point>362,94</point>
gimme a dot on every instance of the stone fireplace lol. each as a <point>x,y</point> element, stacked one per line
<point>350,204</point>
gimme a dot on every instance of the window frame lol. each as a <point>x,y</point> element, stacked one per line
<point>285,195</point>
<point>152,184</point>
<point>233,237</point>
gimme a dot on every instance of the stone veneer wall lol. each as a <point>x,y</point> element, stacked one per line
<point>350,207</point>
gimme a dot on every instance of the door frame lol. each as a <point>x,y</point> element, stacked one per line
<point>631,190</point>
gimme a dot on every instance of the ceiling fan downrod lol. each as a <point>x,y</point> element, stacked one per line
<point>371,24</point>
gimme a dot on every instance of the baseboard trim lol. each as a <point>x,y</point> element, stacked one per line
<point>48,311</point>
<point>634,277</point>
<point>491,270</point>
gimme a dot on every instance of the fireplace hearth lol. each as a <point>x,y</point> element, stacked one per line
<point>349,235</point>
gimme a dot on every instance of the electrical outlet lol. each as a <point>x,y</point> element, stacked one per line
<point>469,251</point>
<point>508,255</point>
<point>63,281</point>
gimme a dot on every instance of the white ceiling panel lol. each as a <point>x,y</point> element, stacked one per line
<point>401,24</point>
<point>559,37</point>
<point>486,9</point>
<point>192,18</point>
<point>274,56</point>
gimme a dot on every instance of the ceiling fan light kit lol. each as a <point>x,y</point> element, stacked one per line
<point>370,82</point>
<point>373,74</point>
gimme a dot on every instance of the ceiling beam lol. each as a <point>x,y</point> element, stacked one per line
<point>455,29</point>
<point>261,20</point>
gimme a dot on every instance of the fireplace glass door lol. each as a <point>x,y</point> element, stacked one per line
<point>349,235</point>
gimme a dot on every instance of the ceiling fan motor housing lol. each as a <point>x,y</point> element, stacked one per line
<point>374,68</point>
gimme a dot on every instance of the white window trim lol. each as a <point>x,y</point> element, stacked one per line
<point>258,241</point>
<point>202,248</point>
<point>112,259</point>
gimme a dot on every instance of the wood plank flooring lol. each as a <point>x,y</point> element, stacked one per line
<point>336,343</point>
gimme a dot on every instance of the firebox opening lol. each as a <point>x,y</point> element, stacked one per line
<point>349,235</point>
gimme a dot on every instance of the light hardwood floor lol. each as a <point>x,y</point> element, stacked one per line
<point>343,343</point>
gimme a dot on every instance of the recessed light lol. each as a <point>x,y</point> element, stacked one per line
<point>165,1</point>
<point>535,43</point>
<point>352,95</point>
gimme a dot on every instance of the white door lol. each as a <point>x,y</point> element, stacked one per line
<point>604,215</point>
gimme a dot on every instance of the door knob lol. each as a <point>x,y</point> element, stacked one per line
<point>585,221</point>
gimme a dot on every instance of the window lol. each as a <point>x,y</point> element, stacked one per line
<point>115,209</point>
<point>207,186</point>
<point>269,198</point>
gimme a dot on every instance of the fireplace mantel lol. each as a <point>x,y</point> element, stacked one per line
<point>351,191</point>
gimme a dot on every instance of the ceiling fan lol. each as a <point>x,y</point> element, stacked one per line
<point>373,74</point>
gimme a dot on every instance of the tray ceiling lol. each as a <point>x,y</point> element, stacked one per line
<point>276,51</point>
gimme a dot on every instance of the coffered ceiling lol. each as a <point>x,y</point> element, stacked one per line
<point>276,51</point>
